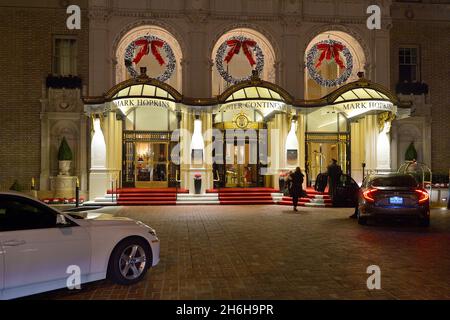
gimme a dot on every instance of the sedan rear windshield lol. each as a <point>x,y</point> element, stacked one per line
<point>394,181</point>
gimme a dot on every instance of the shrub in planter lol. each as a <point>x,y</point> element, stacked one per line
<point>411,152</point>
<point>65,157</point>
<point>16,186</point>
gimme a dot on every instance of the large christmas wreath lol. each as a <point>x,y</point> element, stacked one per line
<point>251,50</point>
<point>329,50</point>
<point>141,47</point>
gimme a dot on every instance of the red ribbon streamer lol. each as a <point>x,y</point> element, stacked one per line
<point>236,47</point>
<point>327,50</point>
<point>154,44</point>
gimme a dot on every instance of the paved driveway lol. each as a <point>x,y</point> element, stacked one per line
<point>270,252</point>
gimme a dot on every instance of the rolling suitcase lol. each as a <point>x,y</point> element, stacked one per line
<point>321,182</point>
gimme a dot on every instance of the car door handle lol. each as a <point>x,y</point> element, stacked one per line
<point>13,243</point>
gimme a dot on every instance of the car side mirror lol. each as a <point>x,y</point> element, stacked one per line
<point>61,220</point>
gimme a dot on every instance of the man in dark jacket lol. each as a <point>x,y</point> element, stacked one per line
<point>295,186</point>
<point>334,175</point>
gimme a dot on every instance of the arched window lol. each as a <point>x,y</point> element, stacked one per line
<point>156,58</point>
<point>239,66</point>
<point>329,69</point>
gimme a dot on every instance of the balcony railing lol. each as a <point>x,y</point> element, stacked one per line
<point>67,82</point>
<point>415,88</point>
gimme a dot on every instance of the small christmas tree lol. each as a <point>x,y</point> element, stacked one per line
<point>411,153</point>
<point>16,186</point>
<point>64,152</point>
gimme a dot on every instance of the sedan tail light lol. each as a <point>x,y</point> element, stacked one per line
<point>369,195</point>
<point>422,196</point>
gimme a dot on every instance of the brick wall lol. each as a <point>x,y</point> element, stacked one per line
<point>434,50</point>
<point>26,44</point>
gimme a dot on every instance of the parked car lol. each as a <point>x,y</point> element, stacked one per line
<point>39,245</point>
<point>393,195</point>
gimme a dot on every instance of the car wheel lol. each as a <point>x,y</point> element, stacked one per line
<point>129,261</point>
<point>424,222</point>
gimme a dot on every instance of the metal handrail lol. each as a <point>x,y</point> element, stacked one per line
<point>177,181</point>
<point>217,180</point>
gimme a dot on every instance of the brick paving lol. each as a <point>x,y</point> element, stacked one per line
<point>270,252</point>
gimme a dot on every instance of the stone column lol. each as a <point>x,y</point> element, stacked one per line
<point>185,142</point>
<point>98,176</point>
<point>83,154</point>
<point>301,129</point>
<point>357,151</point>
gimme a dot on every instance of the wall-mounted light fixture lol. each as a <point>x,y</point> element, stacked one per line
<point>197,143</point>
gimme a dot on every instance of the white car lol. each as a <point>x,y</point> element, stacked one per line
<point>42,249</point>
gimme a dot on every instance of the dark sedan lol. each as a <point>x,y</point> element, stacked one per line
<point>393,195</point>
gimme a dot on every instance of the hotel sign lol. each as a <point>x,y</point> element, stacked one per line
<point>126,104</point>
<point>265,106</point>
<point>142,102</point>
<point>359,107</point>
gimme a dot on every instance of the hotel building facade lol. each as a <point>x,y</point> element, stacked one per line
<point>160,93</point>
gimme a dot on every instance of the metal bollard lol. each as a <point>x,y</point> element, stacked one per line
<point>77,194</point>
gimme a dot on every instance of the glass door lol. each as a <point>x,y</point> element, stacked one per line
<point>151,164</point>
<point>321,148</point>
<point>242,170</point>
<point>146,162</point>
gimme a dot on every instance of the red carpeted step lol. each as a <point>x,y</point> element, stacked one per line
<point>146,203</point>
<point>246,194</point>
<point>147,195</point>
<point>245,198</point>
<point>242,190</point>
<point>246,202</point>
<point>149,190</point>
<point>171,198</point>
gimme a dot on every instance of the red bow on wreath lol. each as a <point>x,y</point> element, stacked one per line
<point>144,50</point>
<point>236,47</point>
<point>328,49</point>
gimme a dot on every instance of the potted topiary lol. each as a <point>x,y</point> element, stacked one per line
<point>411,152</point>
<point>64,157</point>
<point>198,183</point>
<point>16,186</point>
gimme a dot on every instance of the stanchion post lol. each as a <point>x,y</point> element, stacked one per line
<point>77,194</point>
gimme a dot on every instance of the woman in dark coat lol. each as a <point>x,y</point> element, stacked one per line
<point>295,186</point>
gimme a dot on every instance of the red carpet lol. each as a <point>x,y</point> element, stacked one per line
<point>147,197</point>
<point>244,196</point>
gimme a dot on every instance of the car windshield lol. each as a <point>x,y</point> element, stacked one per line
<point>394,181</point>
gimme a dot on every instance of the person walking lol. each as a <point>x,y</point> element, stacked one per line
<point>334,175</point>
<point>295,186</point>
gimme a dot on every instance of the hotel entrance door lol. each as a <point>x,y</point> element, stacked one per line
<point>241,171</point>
<point>146,160</point>
<point>241,163</point>
<point>321,148</point>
